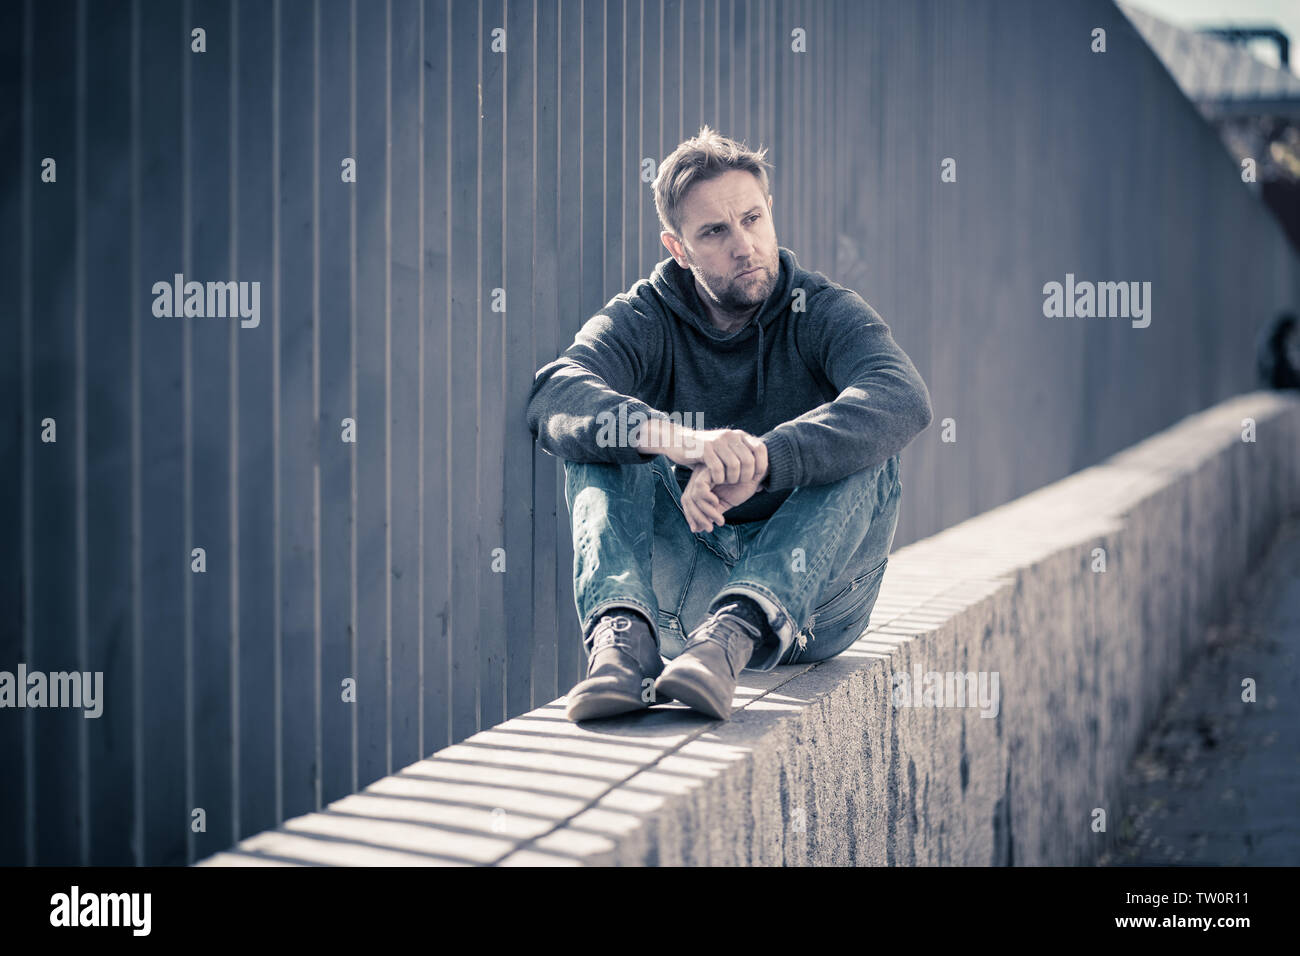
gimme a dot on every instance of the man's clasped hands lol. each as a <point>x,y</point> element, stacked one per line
<point>728,465</point>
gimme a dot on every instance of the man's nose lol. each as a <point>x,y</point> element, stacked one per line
<point>743,247</point>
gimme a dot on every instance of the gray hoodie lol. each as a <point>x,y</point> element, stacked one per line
<point>815,374</point>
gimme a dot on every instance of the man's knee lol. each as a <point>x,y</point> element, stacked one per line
<point>583,473</point>
<point>620,482</point>
<point>886,475</point>
<point>884,482</point>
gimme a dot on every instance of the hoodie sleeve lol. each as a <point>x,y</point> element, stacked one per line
<point>882,405</point>
<point>574,406</point>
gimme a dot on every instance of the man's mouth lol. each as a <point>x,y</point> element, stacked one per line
<point>750,272</point>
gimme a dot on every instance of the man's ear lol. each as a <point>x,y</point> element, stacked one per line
<point>674,246</point>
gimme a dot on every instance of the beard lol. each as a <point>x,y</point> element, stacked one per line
<point>738,294</point>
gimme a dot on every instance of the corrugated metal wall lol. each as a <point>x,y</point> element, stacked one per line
<point>479,170</point>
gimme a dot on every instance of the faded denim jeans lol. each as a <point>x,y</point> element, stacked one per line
<point>814,566</point>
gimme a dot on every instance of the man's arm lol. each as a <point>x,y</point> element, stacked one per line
<point>728,454</point>
<point>582,406</point>
<point>883,402</point>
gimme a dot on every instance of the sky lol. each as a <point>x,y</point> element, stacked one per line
<point>1283,14</point>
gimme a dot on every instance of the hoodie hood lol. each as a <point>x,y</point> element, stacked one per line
<point>676,288</point>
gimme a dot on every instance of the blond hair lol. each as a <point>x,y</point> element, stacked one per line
<point>704,156</point>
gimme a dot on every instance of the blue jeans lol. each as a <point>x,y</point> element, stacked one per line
<point>814,566</point>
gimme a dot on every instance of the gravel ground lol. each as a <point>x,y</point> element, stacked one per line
<point>1217,781</point>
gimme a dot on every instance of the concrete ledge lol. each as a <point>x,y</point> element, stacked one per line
<point>820,766</point>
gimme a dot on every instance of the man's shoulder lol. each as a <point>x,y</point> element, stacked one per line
<point>641,297</point>
<point>634,316</point>
<point>641,301</point>
<point>824,298</point>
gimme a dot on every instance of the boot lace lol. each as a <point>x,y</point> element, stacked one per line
<point>723,627</point>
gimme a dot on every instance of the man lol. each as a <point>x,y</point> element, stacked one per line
<point>749,535</point>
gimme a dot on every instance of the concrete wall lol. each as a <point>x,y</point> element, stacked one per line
<point>478,170</point>
<point>820,764</point>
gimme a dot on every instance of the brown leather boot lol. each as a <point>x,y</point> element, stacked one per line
<point>622,665</point>
<point>704,675</point>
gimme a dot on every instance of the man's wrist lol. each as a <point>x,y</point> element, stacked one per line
<point>654,435</point>
<point>766,471</point>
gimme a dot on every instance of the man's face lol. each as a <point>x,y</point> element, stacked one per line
<point>727,228</point>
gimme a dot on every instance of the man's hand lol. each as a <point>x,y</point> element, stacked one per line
<point>731,456</point>
<point>704,500</point>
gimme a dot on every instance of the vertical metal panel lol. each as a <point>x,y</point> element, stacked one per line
<point>374,570</point>
<point>777,72</point>
<point>277,431</point>
<point>617,68</point>
<point>575,103</point>
<point>464,53</point>
<point>314,425</point>
<point>165,561</point>
<point>554,232</point>
<point>19,430</point>
<point>672,93</point>
<point>798,182</point>
<point>820,156</point>
<point>629,173</point>
<point>187,423</point>
<point>137,498</point>
<point>669,95</point>
<point>476,171</point>
<point>589,198</point>
<point>723,66</point>
<point>437,323</point>
<point>254,451</point>
<point>491,409</point>
<point>647,247</point>
<point>521,313</point>
<point>611,139</point>
<point>298,448</point>
<point>107,430</point>
<point>744,17</point>
<point>52,494</point>
<point>212,507</point>
<point>404,375</point>
<point>336,531</point>
<point>82,795</point>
